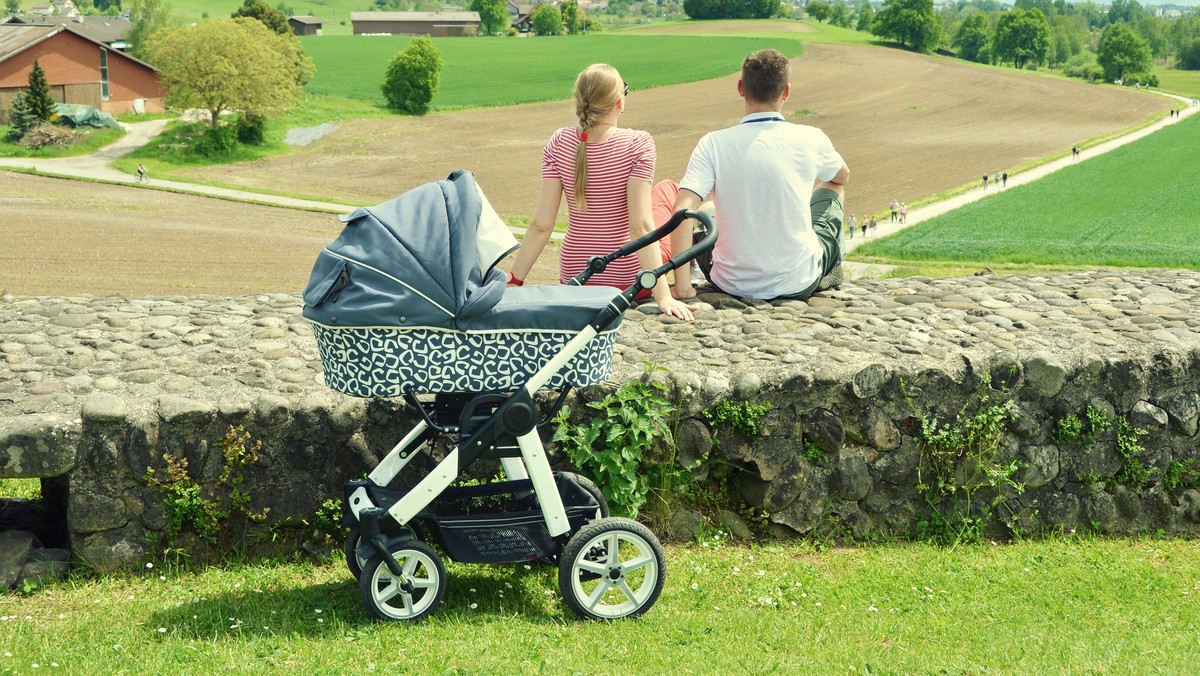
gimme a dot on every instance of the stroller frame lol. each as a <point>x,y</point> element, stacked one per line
<point>608,567</point>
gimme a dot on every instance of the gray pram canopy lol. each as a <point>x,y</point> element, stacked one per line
<point>409,293</point>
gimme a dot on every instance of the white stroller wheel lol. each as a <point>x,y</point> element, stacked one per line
<point>413,595</point>
<point>612,568</point>
<point>353,561</point>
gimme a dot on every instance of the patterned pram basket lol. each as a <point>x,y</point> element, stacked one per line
<point>409,296</point>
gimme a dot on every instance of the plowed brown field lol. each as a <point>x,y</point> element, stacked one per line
<point>909,126</point>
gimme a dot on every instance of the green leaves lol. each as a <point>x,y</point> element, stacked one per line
<point>613,445</point>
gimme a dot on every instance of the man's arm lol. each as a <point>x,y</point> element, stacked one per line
<point>681,240</point>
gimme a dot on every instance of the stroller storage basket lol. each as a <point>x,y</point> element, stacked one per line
<point>501,522</point>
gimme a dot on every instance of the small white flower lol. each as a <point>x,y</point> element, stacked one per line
<point>319,611</point>
<point>695,585</point>
<point>528,567</point>
<point>162,577</point>
<point>7,654</point>
<point>761,573</point>
<point>751,557</point>
<point>818,604</point>
<point>35,665</point>
<point>236,585</point>
<point>320,620</point>
<point>793,604</point>
<point>1026,569</point>
<point>872,608</point>
<point>473,606</point>
<point>162,630</point>
<point>736,570</point>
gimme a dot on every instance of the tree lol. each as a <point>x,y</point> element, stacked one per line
<point>1189,56</point>
<point>547,20</point>
<point>972,39</point>
<point>1129,11</point>
<point>573,17</point>
<point>147,17</point>
<point>1122,52</point>
<point>20,117</point>
<point>230,65</point>
<point>912,23</point>
<point>493,15</point>
<point>41,101</point>
<point>818,10</point>
<point>414,76</point>
<point>13,6</point>
<point>1022,37</point>
<point>865,16</point>
<point>268,15</point>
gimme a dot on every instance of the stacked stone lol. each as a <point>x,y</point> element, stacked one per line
<point>98,389</point>
<point>24,559</point>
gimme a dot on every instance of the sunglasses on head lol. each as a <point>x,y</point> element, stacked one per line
<point>626,85</point>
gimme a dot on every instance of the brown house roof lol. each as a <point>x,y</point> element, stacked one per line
<point>15,39</point>
<point>414,16</point>
<point>306,19</point>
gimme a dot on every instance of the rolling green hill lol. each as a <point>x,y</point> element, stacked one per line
<point>485,72</point>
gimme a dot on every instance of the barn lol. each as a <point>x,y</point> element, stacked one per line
<point>78,69</point>
<point>432,24</point>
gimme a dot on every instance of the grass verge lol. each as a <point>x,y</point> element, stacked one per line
<point>1062,604</point>
<point>90,141</point>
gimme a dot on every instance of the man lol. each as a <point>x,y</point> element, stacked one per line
<point>779,238</point>
<point>895,209</point>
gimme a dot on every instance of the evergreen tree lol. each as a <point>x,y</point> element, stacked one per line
<point>41,103</point>
<point>20,117</point>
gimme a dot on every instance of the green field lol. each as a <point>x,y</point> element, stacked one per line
<point>1182,82</point>
<point>332,12</point>
<point>486,72</point>
<point>1132,207</point>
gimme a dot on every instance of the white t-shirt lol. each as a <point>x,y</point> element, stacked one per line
<point>760,174</point>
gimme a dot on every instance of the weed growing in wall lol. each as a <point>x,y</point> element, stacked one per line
<point>211,512</point>
<point>959,474</point>
<point>742,416</point>
<point>612,446</point>
<point>1070,429</point>
<point>1181,473</point>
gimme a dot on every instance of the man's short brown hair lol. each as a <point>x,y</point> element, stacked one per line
<point>764,75</point>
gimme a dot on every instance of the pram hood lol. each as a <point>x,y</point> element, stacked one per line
<point>424,259</point>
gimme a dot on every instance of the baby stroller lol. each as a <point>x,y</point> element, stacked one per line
<point>408,301</point>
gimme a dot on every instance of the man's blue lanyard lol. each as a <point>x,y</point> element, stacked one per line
<point>764,119</point>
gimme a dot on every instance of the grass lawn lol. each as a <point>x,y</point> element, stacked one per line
<point>1182,82</point>
<point>488,72</point>
<point>1132,207</point>
<point>1062,604</point>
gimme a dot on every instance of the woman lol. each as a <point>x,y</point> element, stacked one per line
<point>605,172</point>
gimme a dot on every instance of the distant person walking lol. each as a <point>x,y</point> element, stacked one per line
<point>903,213</point>
<point>985,181</point>
<point>1004,179</point>
<point>996,178</point>
<point>895,210</point>
<point>874,226</point>
<point>853,225</point>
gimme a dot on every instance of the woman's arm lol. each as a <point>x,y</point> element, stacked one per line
<point>540,228</point>
<point>650,257</point>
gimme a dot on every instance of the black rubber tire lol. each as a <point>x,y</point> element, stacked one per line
<point>587,568</point>
<point>591,487</point>
<point>420,561</point>
<point>353,562</point>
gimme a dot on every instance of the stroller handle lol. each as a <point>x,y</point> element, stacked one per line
<point>600,263</point>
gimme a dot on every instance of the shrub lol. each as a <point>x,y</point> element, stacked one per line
<point>21,117</point>
<point>1189,56</point>
<point>217,141</point>
<point>547,20</point>
<point>413,77</point>
<point>250,129</point>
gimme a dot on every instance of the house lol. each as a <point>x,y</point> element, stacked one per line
<point>65,8</point>
<point>433,24</point>
<point>78,69</point>
<point>305,25</point>
<point>111,30</point>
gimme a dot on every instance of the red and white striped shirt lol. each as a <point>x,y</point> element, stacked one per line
<point>628,154</point>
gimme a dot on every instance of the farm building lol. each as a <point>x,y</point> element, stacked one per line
<point>111,30</point>
<point>433,24</point>
<point>305,25</point>
<point>78,69</point>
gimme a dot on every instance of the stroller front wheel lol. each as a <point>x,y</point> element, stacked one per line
<point>411,596</point>
<point>612,568</point>
<point>353,561</point>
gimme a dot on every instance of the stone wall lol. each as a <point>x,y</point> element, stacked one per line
<point>94,391</point>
